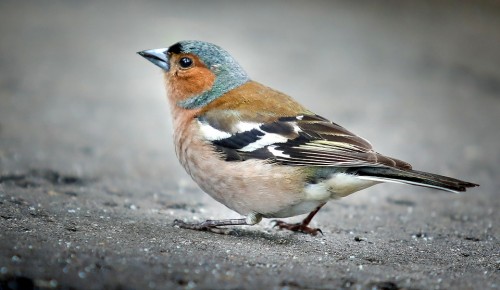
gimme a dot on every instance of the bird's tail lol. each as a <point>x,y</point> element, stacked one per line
<point>413,177</point>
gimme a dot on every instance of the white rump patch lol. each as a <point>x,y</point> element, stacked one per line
<point>336,186</point>
<point>343,184</point>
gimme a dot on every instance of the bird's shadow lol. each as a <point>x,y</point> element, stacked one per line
<point>272,235</point>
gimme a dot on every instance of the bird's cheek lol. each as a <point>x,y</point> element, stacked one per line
<point>185,84</point>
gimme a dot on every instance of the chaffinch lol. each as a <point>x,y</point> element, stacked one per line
<point>258,151</point>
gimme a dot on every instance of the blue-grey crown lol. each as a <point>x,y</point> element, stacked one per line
<point>229,74</point>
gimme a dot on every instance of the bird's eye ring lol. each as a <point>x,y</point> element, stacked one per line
<point>185,62</point>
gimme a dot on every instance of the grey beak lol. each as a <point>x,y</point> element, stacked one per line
<point>157,56</point>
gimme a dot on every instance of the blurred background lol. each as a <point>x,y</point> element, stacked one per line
<point>419,79</point>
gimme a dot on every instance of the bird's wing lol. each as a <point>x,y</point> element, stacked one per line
<point>302,140</point>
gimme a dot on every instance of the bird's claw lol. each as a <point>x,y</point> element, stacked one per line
<point>297,227</point>
<point>202,227</point>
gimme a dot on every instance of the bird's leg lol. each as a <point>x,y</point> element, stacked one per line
<point>303,226</point>
<point>213,225</point>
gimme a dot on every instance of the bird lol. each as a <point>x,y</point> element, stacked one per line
<point>261,153</point>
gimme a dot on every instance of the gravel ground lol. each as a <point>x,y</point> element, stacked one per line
<point>89,183</point>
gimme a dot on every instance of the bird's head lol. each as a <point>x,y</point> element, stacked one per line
<point>196,72</point>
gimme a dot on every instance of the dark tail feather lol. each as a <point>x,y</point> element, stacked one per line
<point>413,177</point>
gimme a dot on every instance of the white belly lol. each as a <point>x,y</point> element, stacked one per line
<point>255,186</point>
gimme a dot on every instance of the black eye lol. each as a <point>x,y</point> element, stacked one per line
<point>185,62</point>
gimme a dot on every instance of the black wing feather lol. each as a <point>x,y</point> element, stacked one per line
<point>311,140</point>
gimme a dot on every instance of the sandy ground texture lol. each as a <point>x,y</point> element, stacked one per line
<point>89,182</point>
